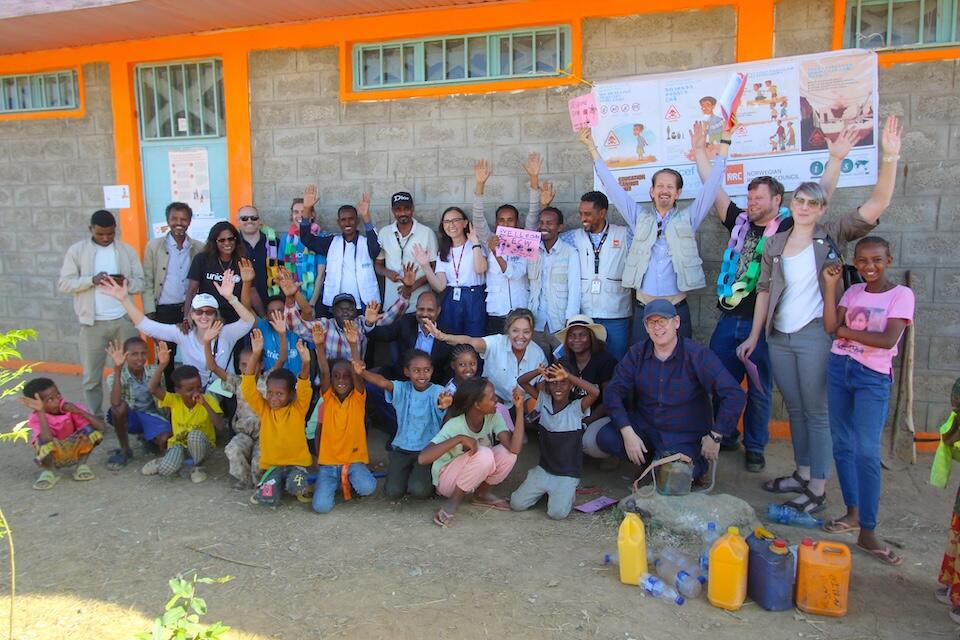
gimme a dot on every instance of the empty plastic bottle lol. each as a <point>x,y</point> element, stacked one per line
<point>681,571</point>
<point>611,558</point>
<point>682,561</point>
<point>710,535</point>
<point>782,514</point>
<point>653,586</point>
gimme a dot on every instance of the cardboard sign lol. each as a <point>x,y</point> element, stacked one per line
<point>519,243</point>
<point>583,111</point>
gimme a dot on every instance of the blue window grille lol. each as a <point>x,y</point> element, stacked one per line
<point>49,91</point>
<point>902,24</point>
<point>180,100</point>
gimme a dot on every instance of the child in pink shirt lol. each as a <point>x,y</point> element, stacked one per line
<point>868,323</point>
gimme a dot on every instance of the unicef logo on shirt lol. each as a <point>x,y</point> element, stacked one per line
<point>816,168</point>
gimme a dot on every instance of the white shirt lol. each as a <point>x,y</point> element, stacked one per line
<point>506,289</point>
<point>801,301</point>
<point>501,367</point>
<point>348,278</point>
<point>105,307</point>
<point>190,349</point>
<point>397,250</point>
<point>459,267</point>
<point>174,288</point>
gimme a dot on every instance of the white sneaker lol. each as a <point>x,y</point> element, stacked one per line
<point>152,468</point>
<point>943,594</point>
<point>955,615</point>
<point>198,475</point>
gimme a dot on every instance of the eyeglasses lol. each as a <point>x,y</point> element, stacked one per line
<point>803,202</point>
<point>453,220</point>
<point>249,218</point>
<point>226,240</point>
<point>205,312</point>
<point>657,323</point>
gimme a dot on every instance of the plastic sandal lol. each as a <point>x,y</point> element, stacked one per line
<point>83,473</point>
<point>776,485</point>
<point>46,480</point>
<point>119,459</point>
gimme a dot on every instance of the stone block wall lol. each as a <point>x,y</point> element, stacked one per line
<point>51,177</point>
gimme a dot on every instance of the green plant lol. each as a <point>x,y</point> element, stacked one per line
<point>181,617</point>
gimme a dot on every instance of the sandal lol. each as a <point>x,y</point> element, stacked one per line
<point>839,526</point>
<point>813,504</point>
<point>886,556</point>
<point>45,480</point>
<point>119,459</point>
<point>443,519</point>
<point>776,485</point>
<point>83,473</point>
<point>500,504</point>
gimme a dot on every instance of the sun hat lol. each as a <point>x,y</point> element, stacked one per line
<point>599,331</point>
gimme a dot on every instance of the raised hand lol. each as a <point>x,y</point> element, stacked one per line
<point>359,366</point>
<point>34,403</point>
<point>115,351</point>
<point>518,398</point>
<point>163,354</point>
<point>309,197</point>
<point>533,165</point>
<point>472,236</point>
<point>432,328</point>
<point>698,135</point>
<point>350,332</point>
<point>556,373</point>
<point>225,287</point>
<point>585,136</point>
<point>277,321</point>
<point>112,288</point>
<point>69,407</point>
<point>444,400</point>
<point>409,277</point>
<point>319,333</point>
<point>363,206</point>
<point>730,126</point>
<point>372,313</point>
<point>493,242</point>
<point>547,193</point>
<point>482,171</point>
<point>256,341</point>
<point>211,334</point>
<point>303,351</point>
<point>420,255</point>
<point>840,147</point>
<point>288,285</point>
<point>892,132</point>
<point>247,272</point>
<point>832,273</point>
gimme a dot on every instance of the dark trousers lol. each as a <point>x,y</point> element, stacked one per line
<point>658,444</point>
<point>169,314</point>
<point>466,316</point>
<point>406,475</point>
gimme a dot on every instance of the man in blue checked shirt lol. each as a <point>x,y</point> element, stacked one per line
<point>659,397</point>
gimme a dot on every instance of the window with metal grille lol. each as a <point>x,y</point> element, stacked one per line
<point>476,57</point>
<point>50,91</point>
<point>180,100</point>
<point>889,24</point>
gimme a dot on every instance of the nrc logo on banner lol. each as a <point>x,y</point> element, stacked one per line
<point>734,174</point>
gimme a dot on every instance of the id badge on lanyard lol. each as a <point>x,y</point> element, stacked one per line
<point>456,294</point>
<point>595,286</point>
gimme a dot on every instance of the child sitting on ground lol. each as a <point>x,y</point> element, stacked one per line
<point>284,456</point>
<point>195,416</point>
<point>341,439</point>
<point>562,409</point>
<point>420,406</point>
<point>472,427</point>
<point>132,407</point>
<point>64,433</point>
<point>949,590</point>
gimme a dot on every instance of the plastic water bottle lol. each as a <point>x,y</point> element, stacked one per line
<point>782,514</point>
<point>682,571</point>
<point>680,560</point>
<point>611,559</point>
<point>710,535</point>
<point>657,588</point>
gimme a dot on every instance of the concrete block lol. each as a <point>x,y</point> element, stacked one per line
<point>934,178</point>
<point>13,174</point>
<point>274,168</point>
<point>895,106</point>
<point>261,89</point>
<point>794,43</point>
<point>910,214</point>
<point>22,150</point>
<point>32,196</point>
<point>317,59</point>
<point>296,86</point>
<point>487,131</point>
<point>789,15</point>
<point>928,143</point>
<point>938,319</point>
<point>383,136</point>
<point>467,106</point>
<point>508,159</point>
<point>8,241</point>
<point>720,51</point>
<point>609,63</point>
<point>108,171</point>
<point>441,191</point>
<point>694,26</point>
<point>954,151</point>
<point>288,142</point>
<point>936,109</point>
<point>933,386</point>
<point>95,147</point>
<point>90,196</point>
<point>945,353</point>
<point>103,123</point>
<point>48,264</point>
<point>353,112</point>
<point>261,143</point>
<point>86,126</point>
<point>364,164</point>
<point>330,84</point>
<point>450,133</point>
<point>415,164</point>
<point>264,195</point>
<point>949,217</point>
<point>414,109</point>
<point>4,151</point>
<point>676,56</point>
<point>6,196</point>
<point>550,128</point>
<point>321,112</point>
<point>38,287</point>
<point>564,157</point>
<point>319,168</point>
<point>19,263</point>
<point>499,189</point>
<point>459,162</point>
<point>564,186</point>
<point>916,77</point>
<point>50,219</point>
<point>342,138</point>
<point>272,116</point>
<point>946,286</point>
<point>922,281</point>
<point>593,32</point>
<point>334,195</point>
<point>272,62</point>
<point>636,30</point>
<point>81,173</point>
<point>820,14</point>
<point>60,352</point>
<point>9,287</point>
<point>521,103</point>
<point>559,97</point>
<point>59,241</point>
<point>45,172</point>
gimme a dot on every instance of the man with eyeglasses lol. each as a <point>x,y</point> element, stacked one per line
<point>261,249</point>
<point>659,398</point>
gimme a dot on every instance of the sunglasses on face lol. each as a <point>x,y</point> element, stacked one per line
<point>803,202</point>
<point>226,240</point>
<point>205,312</point>
<point>249,218</point>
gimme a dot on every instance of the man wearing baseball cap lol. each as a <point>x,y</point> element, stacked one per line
<point>659,400</point>
<point>397,241</point>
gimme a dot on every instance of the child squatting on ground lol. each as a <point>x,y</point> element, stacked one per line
<point>196,417</point>
<point>563,400</point>
<point>64,433</point>
<point>284,456</point>
<point>341,439</point>
<point>463,455</point>
<point>420,406</point>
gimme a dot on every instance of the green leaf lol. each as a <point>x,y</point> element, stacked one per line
<point>171,603</point>
<point>217,629</point>
<point>181,587</point>
<point>199,605</point>
<point>173,615</point>
<point>220,580</point>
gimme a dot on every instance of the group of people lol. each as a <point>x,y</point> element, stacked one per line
<point>295,343</point>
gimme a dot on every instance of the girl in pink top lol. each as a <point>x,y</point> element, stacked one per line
<point>868,323</point>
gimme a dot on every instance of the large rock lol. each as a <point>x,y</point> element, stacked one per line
<point>682,518</point>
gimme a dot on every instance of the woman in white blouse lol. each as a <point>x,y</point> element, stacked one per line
<point>461,265</point>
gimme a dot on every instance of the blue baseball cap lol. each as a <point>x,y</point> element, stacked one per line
<point>661,308</point>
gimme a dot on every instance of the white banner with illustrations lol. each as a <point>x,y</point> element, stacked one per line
<point>788,109</point>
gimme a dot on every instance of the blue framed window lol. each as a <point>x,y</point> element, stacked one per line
<point>469,58</point>
<point>902,24</point>
<point>49,91</point>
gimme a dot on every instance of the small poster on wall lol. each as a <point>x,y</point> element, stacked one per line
<point>190,180</point>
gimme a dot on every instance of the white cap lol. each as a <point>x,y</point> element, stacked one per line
<point>202,300</point>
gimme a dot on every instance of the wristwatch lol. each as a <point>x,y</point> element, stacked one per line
<point>716,438</point>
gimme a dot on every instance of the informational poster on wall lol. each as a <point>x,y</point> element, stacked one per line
<point>789,109</point>
<point>190,183</point>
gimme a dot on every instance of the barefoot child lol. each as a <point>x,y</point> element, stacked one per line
<point>463,454</point>
<point>949,591</point>
<point>132,407</point>
<point>284,456</point>
<point>64,433</point>
<point>562,409</point>
<point>341,438</point>
<point>196,417</point>
<point>420,406</point>
<point>859,375</point>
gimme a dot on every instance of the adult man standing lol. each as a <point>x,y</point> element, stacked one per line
<point>166,262</point>
<point>659,398</point>
<point>738,279</point>
<point>397,241</point>
<point>308,266</point>
<point>663,262</point>
<point>102,318</point>
<point>261,251</point>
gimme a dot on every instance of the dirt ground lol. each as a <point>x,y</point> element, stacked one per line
<point>93,560</point>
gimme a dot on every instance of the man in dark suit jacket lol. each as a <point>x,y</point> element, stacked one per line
<point>412,335</point>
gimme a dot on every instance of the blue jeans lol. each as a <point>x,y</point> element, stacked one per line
<point>730,331</point>
<point>857,399</point>
<point>618,330</point>
<point>466,316</point>
<point>328,481</point>
<point>640,329</point>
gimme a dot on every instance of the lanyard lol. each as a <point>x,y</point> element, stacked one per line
<point>402,245</point>
<point>596,250</point>
<point>456,265</point>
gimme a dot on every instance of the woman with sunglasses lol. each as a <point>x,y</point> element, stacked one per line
<point>789,308</point>
<point>222,252</point>
<point>461,265</point>
<point>204,309</point>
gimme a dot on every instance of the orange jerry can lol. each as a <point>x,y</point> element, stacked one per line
<point>823,577</point>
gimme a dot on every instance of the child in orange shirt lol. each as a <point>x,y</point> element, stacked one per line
<point>341,440</point>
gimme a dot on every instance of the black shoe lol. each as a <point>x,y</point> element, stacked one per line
<point>754,461</point>
<point>730,445</point>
